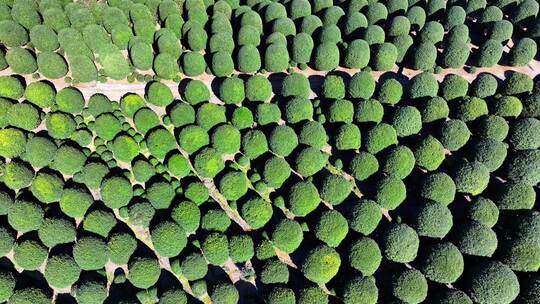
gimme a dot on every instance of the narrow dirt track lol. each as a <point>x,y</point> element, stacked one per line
<point>116,89</point>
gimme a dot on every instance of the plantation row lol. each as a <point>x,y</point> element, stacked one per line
<point>381,191</point>
<point>139,40</point>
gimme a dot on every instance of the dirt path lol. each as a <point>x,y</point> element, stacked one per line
<point>116,89</point>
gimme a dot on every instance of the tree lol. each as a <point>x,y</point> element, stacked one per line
<point>455,55</point>
<point>360,290</point>
<point>374,34</point>
<point>490,14</point>
<point>23,116</point>
<point>454,86</point>
<point>489,53</point>
<point>113,62</point>
<point>215,248</point>
<point>432,220</point>
<point>100,222</point>
<point>61,271</point>
<point>501,31</point>
<point>248,35</point>
<point>417,16</point>
<point>303,198</point>
<point>21,60</point>
<point>159,94</point>
<point>390,192</point>
<point>522,52</point>
<point>13,34</point>
<point>390,91</point>
<point>400,243</point>
<point>208,162</point>
<point>285,26</point>
<point>507,106</point>
<point>347,137</point>
<point>525,11</point>
<point>221,42</point>
<point>121,246</point>
<point>143,272</point>
<point>226,139</point>
<point>331,228</point>
<point>160,193</point>
<point>399,25</point>
<point>517,83</point>
<point>376,12</point>
<point>365,256</point>
<point>402,44</point>
<point>515,196</point>
<point>484,85</point>
<point>254,143</point>
<point>313,134</point>
<point>361,85</point>
<point>365,217</point>
<point>409,285</point>
<point>301,49</point>
<point>406,121</point>
<point>82,68</point>
<point>423,85</point>
<point>287,235</point>
<point>141,55</point>
<point>231,90</point>
<point>7,285</point>
<point>521,136</point>
<point>326,56</point>
<point>282,140</point>
<point>29,294</point>
<point>299,8</point>
<point>312,294</point>
<point>257,212</point>
<point>224,293</point>
<point>454,134</point>
<point>368,111</point>
<point>116,192</point>
<point>379,137</point>
<point>165,66</point>
<point>432,32</point>
<point>483,211</point>
<point>488,151</point>
<point>90,253</point>
<point>168,238</point>
<point>399,161</point>
<point>522,166</point>
<point>274,271</point>
<point>249,59</point>
<point>193,64</point>
<point>276,58</point>
<point>44,38</point>
<point>455,15</point>
<point>473,238</point>
<point>298,109</point>
<point>333,15</point>
<point>295,84</point>
<point>357,54</point>
<point>318,271</point>
<point>384,57</point>
<point>492,282</point>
